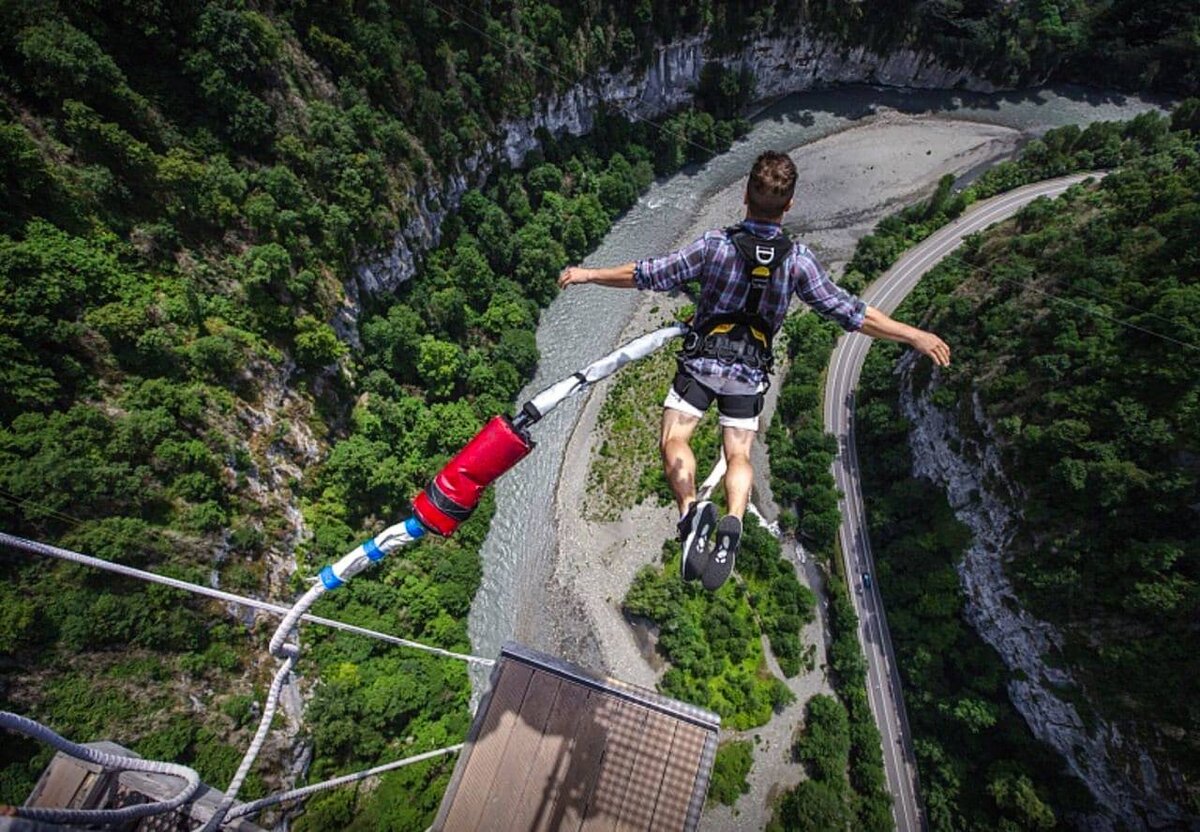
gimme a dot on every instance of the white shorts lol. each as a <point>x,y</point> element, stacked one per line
<point>676,402</point>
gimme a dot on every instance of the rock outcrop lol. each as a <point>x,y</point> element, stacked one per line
<point>1122,777</point>
<point>793,61</point>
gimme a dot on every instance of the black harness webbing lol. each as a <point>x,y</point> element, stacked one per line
<point>760,259</point>
<point>744,336</point>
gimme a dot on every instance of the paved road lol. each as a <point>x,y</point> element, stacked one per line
<point>883,679</point>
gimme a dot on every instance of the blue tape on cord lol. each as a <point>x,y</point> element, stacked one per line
<point>330,580</point>
<point>372,551</point>
<point>414,528</point>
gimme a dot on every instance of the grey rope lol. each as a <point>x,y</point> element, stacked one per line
<point>278,646</point>
<point>256,744</point>
<point>35,547</point>
<point>26,726</point>
<point>258,805</point>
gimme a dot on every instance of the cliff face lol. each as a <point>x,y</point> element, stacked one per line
<point>1121,776</point>
<point>791,62</point>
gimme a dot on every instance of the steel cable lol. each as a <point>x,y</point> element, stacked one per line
<point>58,552</point>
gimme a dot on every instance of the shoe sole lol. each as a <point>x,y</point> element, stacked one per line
<point>729,538</point>
<point>696,556</point>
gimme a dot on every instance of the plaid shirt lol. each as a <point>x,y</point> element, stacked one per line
<point>713,261</point>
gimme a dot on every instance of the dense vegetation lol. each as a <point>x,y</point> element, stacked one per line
<point>180,229</point>
<point>824,801</point>
<point>801,453</point>
<point>732,765</point>
<point>801,457</point>
<point>1091,417</point>
<point>973,749</point>
<point>713,640</point>
<point>1128,44</point>
<point>780,602</point>
<point>1101,145</point>
<point>400,429</point>
<point>188,187</point>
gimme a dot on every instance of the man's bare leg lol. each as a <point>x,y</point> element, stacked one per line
<point>739,474</point>
<point>679,463</point>
<point>739,477</point>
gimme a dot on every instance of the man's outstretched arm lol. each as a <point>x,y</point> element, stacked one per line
<point>619,277</point>
<point>880,325</point>
<point>662,274</point>
<point>815,288</point>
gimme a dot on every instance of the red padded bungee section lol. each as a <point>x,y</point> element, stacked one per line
<point>455,491</point>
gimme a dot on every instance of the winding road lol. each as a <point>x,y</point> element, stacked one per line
<point>845,367</point>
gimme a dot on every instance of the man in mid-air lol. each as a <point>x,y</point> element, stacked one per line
<point>746,276</point>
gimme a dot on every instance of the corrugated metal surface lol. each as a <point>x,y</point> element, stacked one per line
<point>554,747</point>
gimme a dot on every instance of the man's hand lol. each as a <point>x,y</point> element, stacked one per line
<point>929,344</point>
<point>879,324</point>
<point>572,275</point>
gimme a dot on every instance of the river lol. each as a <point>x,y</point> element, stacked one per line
<point>582,324</point>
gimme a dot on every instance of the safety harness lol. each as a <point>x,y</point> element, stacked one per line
<point>745,336</point>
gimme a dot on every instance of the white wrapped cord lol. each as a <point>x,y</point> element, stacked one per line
<point>278,648</point>
<point>638,348</point>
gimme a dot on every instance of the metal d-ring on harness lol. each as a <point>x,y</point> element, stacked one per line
<point>745,336</point>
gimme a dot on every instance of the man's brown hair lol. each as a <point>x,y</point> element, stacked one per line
<point>772,183</point>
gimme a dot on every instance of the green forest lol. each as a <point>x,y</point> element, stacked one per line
<point>454,346</point>
<point>189,188</point>
<point>825,800</point>
<point>1072,324</point>
<point>174,256</point>
<point>1127,44</point>
<point>801,455</point>
<point>714,640</point>
<point>974,751</point>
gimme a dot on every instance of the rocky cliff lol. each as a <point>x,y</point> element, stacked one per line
<point>796,60</point>
<point>1121,776</point>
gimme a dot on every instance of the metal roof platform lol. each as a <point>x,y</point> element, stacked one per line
<point>556,747</point>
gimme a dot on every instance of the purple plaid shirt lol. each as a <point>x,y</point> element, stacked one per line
<point>713,261</point>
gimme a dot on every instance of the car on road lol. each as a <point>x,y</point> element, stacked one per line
<point>866,580</point>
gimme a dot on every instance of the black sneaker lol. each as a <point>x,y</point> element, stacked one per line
<point>720,561</point>
<point>695,529</point>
